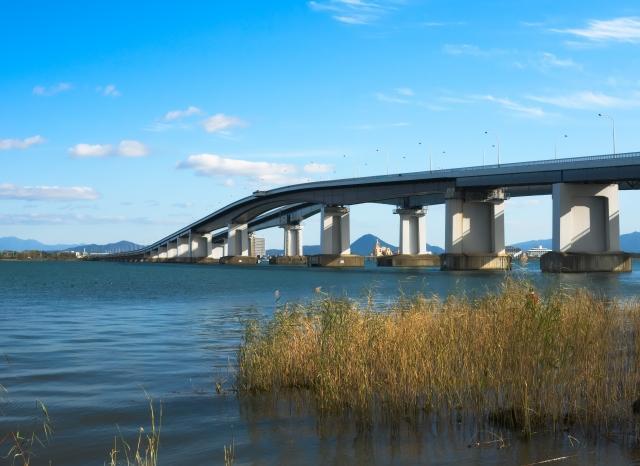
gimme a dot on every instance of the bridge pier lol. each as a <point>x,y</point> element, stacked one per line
<point>162,253</point>
<point>198,247</point>
<point>238,247</point>
<point>586,230</point>
<point>215,250</point>
<point>412,250</point>
<point>172,250</point>
<point>183,249</point>
<point>293,254</point>
<point>474,231</point>
<point>335,242</point>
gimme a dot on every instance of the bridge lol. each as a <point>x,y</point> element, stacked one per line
<point>586,232</point>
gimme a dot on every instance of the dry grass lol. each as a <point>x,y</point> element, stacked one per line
<point>23,446</point>
<point>229,454</point>
<point>568,358</point>
<point>147,445</point>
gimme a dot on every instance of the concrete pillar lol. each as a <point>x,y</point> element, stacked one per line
<point>162,252</point>
<point>217,250</point>
<point>334,234</point>
<point>172,249</point>
<point>198,246</point>
<point>155,254</point>
<point>474,231</point>
<point>238,239</point>
<point>183,248</point>
<point>292,240</point>
<point>474,226</point>
<point>413,231</point>
<point>586,218</point>
<point>586,230</point>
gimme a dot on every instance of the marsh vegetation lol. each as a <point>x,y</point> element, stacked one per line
<point>566,359</point>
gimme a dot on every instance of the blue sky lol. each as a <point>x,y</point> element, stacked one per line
<point>127,120</point>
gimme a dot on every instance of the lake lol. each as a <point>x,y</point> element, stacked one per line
<point>88,338</point>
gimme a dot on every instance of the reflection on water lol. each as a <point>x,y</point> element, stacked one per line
<point>288,431</point>
<point>88,338</point>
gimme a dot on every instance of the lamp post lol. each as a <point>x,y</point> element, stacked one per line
<point>387,160</point>
<point>555,147</point>
<point>428,155</point>
<point>497,145</point>
<point>613,129</point>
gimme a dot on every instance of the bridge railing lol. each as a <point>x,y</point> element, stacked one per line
<point>589,158</point>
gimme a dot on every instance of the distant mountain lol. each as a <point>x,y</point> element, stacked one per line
<point>629,242</point>
<point>120,246</point>
<point>362,246</point>
<point>365,244</point>
<point>11,243</point>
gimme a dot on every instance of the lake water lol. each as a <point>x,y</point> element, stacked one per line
<point>88,338</point>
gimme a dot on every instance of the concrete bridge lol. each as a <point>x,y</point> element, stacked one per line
<point>586,232</point>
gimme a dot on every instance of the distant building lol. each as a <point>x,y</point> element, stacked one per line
<point>257,246</point>
<point>381,250</point>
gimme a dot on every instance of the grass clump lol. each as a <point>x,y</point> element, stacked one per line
<point>511,357</point>
<point>147,446</point>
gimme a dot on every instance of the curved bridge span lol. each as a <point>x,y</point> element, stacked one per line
<point>585,211</point>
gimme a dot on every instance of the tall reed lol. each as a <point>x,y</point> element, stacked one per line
<point>147,446</point>
<point>514,357</point>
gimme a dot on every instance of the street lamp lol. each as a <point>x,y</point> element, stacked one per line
<point>613,130</point>
<point>555,147</point>
<point>420,143</point>
<point>387,160</point>
<point>497,145</point>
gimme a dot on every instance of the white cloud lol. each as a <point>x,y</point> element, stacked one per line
<point>382,97</point>
<point>470,50</point>
<point>217,166</point>
<point>317,168</point>
<point>126,148</point>
<point>549,59</point>
<point>47,193</point>
<point>110,90</point>
<point>179,114</point>
<point>623,29</point>
<point>8,144</point>
<point>221,123</point>
<point>355,12</point>
<point>545,61</point>
<point>514,106</point>
<point>439,24</point>
<point>90,150</point>
<point>406,91</point>
<point>589,100</point>
<point>131,148</point>
<point>52,90</point>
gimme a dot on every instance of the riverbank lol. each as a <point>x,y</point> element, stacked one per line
<point>566,359</point>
